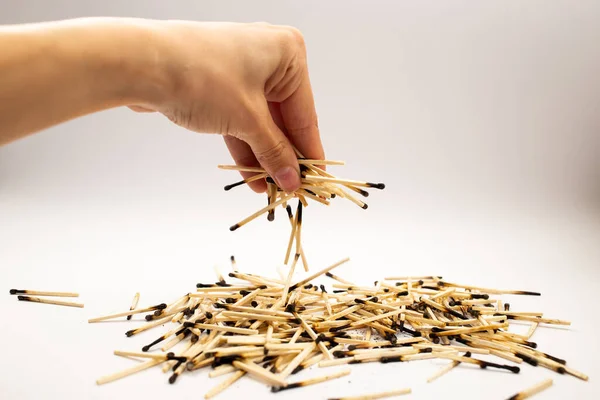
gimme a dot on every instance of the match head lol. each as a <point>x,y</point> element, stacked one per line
<point>145,348</point>
<point>16,291</point>
<point>130,333</point>
<point>234,227</point>
<point>173,378</point>
<point>365,206</point>
<point>289,211</point>
<point>24,298</point>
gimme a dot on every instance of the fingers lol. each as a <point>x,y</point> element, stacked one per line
<point>300,120</point>
<point>274,151</point>
<point>243,155</point>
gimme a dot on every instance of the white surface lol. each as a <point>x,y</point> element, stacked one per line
<point>482,119</point>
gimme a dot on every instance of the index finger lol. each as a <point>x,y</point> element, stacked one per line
<point>300,120</point>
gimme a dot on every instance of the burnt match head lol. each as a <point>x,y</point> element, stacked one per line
<point>289,211</point>
<point>130,333</point>
<point>234,227</point>
<point>16,291</point>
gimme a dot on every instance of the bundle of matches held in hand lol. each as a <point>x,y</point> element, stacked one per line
<point>33,297</point>
<point>317,185</point>
<point>272,328</point>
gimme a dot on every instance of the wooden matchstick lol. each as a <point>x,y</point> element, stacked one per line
<point>259,373</point>
<point>315,178</point>
<point>245,181</point>
<point>446,369</point>
<point>224,385</point>
<point>161,306</point>
<point>319,273</point>
<point>128,371</point>
<point>260,212</point>
<point>41,293</point>
<point>535,389</point>
<point>374,396</point>
<point>134,304</point>
<point>312,381</point>
<point>46,301</point>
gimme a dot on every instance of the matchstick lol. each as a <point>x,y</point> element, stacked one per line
<point>319,273</point>
<point>130,312</point>
<point>128,371</point>
<point>374,396</point>
<point>41,293</point>
<point>224,385</point>
<point>446,369</point>
<point>259,373</point>
<point>314,178</point>
<point>46,301</point>
<point>134,304</point>
<point>312,381</point>
<point>260,212</point>
<point>535,389</point>
<point>246,181</point>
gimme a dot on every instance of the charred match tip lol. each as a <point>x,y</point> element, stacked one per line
<point>24,298</point>
<point>220,305</point>
<point>173,378</point>
<point>161,306</point>
<point>16,291</point>
<point>339,353</point>
<point>380,186</point>
<point>289,211</point>
<point>146,348</point>
<point>297,369</point>
<point>480,296</point>
<point>365,206</point>
<point>271,216</point>
<point>234,227</point>
<point>130,333</point>
<point>254,303</point>
<point>208,315</point>
<point>232,258</point>
<point>323,289</point>
<point>526,293</point>
<point>329,274</point>
<point>262,287</point>
<point>333,195</point>
<point>270,180</point>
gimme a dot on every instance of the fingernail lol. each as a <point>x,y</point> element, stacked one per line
<point>288,179</point>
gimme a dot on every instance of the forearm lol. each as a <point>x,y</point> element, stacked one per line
<point>53,72</point>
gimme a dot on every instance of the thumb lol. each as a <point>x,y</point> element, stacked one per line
<point>275,154</point>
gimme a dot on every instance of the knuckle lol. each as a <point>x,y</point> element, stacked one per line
<point>271,153</point>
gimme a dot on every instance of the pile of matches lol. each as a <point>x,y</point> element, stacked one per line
<point>316,184</point>
<point>28,295</point>
<point>271,329</point>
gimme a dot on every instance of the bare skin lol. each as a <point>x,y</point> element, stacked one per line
<point>247,82</point>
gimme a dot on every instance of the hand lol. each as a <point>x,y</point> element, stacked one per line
<point>247,82</point>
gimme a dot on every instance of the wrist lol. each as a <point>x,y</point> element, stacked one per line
<point>116,59</point>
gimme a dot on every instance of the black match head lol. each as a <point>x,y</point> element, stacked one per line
<point>130,333</point>
<point>339,354</point>
<point>145,348</point>
<point>173,378</point>
<point>254,303</point>
<point>365,206</point>
<point>333,195</point>
<point>233,227</point>
<point>209,315</point>
<point>15,291</point>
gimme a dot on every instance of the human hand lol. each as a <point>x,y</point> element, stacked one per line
<point>247,82</point>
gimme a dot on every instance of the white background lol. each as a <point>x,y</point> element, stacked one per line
<point>481,117</point>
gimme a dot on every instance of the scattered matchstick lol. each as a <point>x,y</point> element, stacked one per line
<point>41,293</point>
<point>47,301</point>
<point>535,389</point>
<point>380,395</point>
<point>134,304</point>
